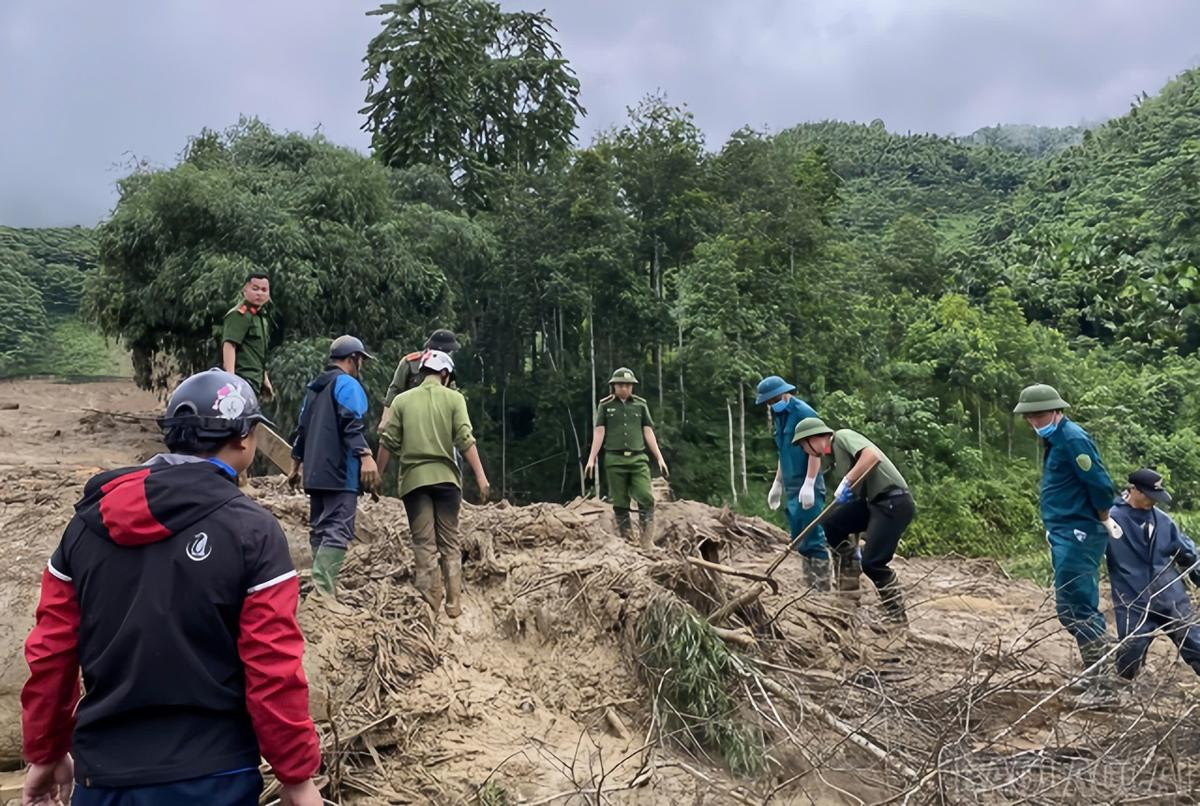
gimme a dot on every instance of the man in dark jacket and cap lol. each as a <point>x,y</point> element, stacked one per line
<point>175,596</point>
<point>330,454</point>
<point>1146,566</point>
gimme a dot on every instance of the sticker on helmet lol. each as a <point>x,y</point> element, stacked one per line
<point>1084,461</point>
<point>229,403</point>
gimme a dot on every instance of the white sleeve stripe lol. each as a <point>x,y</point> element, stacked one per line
<point>57,573</point>
<point>270,583</point>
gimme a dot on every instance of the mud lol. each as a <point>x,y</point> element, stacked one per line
<point>536,693</point>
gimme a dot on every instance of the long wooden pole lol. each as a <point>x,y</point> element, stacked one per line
<point>804,532</point>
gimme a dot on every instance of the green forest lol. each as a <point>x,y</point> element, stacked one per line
<point>909,285</point>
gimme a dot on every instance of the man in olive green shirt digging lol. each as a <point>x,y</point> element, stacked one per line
<point>872,497</point>
<point>244,336</point>
<point>624,429</point>
<point>425,426</point>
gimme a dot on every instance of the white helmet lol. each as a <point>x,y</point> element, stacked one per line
<point>437,361</point>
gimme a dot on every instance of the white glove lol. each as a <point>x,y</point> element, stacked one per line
<point>775,497</point>
<point>1114,529</point>
<point>808,494</point>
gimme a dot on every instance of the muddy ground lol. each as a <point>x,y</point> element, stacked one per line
<point>537,694</point>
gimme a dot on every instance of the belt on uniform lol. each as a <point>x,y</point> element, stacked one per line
<point>623,453</point>
<point>894,492</point>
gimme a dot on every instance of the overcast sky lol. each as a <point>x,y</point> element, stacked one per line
<point>87,86</point>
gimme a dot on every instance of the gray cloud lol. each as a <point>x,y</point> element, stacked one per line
<point>86,87</point>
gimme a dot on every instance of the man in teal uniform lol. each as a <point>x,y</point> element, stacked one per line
<point>625,431</point>
<point>798,479</point>
<point>1076,495</point>
<point>244,336</point>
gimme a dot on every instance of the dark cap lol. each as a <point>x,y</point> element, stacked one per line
<point>443,340</point>
<point>1150,483</point>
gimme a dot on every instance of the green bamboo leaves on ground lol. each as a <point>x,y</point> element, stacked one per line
<point>691,672</point>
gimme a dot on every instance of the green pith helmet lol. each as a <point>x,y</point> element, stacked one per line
<point>622,375</point>
<point>1040,397</point>
<point>810,427</point>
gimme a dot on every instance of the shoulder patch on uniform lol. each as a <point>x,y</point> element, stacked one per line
<point>607,399</point>
<point>1084,461</point>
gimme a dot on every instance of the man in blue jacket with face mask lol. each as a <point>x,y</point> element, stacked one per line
<point>798,479</point>
<point>1076,494</point>
<point>1146,566</point>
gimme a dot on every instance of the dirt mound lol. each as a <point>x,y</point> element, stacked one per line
<point>584,670</point>
<point>542,689</point>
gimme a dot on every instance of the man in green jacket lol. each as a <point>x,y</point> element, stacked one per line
<point>625,430</point>
<point>425,427</point>
<point>872,497</point>
<point>245,334</point>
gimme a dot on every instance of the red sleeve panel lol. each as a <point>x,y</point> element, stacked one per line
<point>271,648</point>
<point>50,695</point>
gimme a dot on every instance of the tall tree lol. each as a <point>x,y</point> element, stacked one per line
<point>470,88</point>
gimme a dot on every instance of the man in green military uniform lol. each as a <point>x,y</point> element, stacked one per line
<point>872,497</point>
<point>408,371</point>
<point>244,336</point>
<point>1076,495</point>
<point>625,430</point>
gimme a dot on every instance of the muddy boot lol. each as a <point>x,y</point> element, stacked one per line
<point>453,579</point>
<point>428,582</point>
<point>891,596</point>
<point>816,573</point>
<point>646,521</point>
<point>327,564</point>
<point>849,569</point>
<point>624,524</point>
<point>1096,688</point>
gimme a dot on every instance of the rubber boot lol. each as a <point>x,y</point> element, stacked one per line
<point>453,579</point>
<point>646,521</point>
<point>327,564</point>
<point>624,525</point>
<point>1097,688</point>
<point>891,596</point>
<point>849,570</point>
<point>428,582</point>
<point>816,573</point>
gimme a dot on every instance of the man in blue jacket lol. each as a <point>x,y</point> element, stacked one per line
<point>798,477</point>
<point>1076,494</point>
<point>1146,567</point>
<point>331,455</point>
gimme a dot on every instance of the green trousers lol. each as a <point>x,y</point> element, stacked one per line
<point>628,478</point>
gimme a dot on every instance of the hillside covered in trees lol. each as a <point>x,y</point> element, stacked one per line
<point>909,285</point>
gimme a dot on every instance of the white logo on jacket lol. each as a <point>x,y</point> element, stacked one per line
<point>198,548</point>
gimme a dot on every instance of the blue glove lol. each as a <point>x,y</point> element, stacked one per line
<point>843,492</point>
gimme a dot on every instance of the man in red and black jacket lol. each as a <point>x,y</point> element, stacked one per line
<point>175,595</point>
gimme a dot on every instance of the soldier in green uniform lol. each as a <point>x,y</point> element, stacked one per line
<point>244,336</point>
<point>625,431</point>
<point>881,506</point>
<point>408,371</point>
